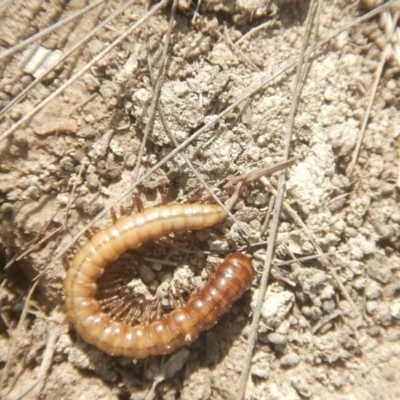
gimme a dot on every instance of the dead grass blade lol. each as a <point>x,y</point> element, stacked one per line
<point>313,11</point>
<point>48,30</point>
<point>89,65</point>
<point>384,56</point>
<point>75,47</point>
<point>258,173</point>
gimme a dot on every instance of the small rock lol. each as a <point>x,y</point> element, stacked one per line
<point>116,147</point>
<point>330,94</point>
<point>387,189</point>
<point>390,291</point>
<point>163,290</point>
<point>146,274</point>
<point>92,181</point>
<point>351,232</point>
<point>130,160</point>
<point>6,208</point>
<point>260,369</point>
<point>337,379</point>
<point>328,305</point>
<point>176,362</point>
<point>261,200</point>
<point>372,290</point>
<point>86,132</point>
<point>33,192</point>
<point>395,310</point>
<point>109,91</point>
<point>357,267</point>
<point>92,83</point>
<point>393,334</point>
<point>359,283</point>
<point>395,217</point>
<point>315,313</point>
<point>290,360</point>
<point>384,316</point>
<point>372,307</point>
<point>14,195</point>
<point>278,340</point>
<point>301,385</point>
<point>276,306</point>
<point>375,331</point>
<point>378,270</point>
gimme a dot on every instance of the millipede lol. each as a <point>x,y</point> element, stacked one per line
<point>182,325</point>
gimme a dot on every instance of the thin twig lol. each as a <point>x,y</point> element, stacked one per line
<point>72,198</point>
<point>48,30</point>
<point>24,313</point>
<point>65,56</point>
<point>86,68</point>
<point>185,158</point>
<point>326,319</point>
<point>258,173</point>
<point>47,360</point>
<point>316,245</point>
<point>265,25</point>
<point>34,247</point>
<point>268,216</point>
<point>236,49</point>
<point>306,258</point>
<point>277,210</point>
<point>35,242</point>
<point>151,394</point>
<point>384,56</point>
<point>156,91</point>
<point>16,335</point>
<point>243,180</point>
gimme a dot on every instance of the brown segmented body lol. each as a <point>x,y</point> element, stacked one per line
<point>181,326</point>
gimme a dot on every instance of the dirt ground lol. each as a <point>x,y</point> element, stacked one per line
<point>330,321</point>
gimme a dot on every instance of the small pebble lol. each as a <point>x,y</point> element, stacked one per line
<point>379,271</point>
<point>289,360</point>
<point>372,290</point>
<point>146,274</point>
<point>302,387</point>
<point>276,338</point>
<point>92,181</point>
<point>395,310</point>
<point>372,307</point>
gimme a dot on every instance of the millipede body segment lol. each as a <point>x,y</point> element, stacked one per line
<point>182,325</point>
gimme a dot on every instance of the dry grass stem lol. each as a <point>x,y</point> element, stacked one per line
<point>75,47</point>
<point>384,56</point>
<point>50,29</point>
<point>277,210</point>
<point>89,65</point>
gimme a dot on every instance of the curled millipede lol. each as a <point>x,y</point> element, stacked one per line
<point>182,325</point>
